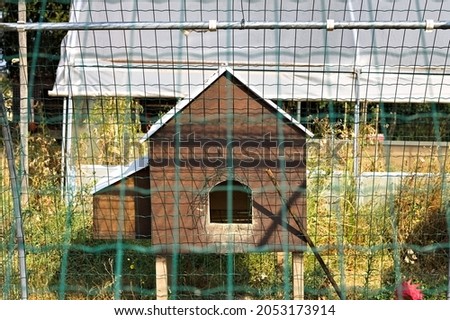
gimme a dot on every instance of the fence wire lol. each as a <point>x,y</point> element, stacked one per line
<point>150,133</point>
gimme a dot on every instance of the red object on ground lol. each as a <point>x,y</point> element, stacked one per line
<point>408,291</point>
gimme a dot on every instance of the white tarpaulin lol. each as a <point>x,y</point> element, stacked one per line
<point>395,65</point>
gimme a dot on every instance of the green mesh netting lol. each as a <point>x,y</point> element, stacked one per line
<point>145,151</point>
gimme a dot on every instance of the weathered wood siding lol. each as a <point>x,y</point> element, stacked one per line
<point>124,208</point>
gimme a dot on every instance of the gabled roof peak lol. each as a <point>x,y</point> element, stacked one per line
<point>220,72</point>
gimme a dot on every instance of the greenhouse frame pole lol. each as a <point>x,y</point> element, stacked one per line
<point>7,141</point>
<point>24,118</point>
<point>213,25</point>
<point>356,127</point>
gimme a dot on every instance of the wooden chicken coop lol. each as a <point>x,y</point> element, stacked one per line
<point>207,176</point>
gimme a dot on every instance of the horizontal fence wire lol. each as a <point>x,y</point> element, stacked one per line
<point>227,150</point>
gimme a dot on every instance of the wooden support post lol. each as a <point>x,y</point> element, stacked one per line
<point>298,283</point>
<point>280,259</point>
<point>162,278</point>
<point>24,120</point>
<point>305,237</point>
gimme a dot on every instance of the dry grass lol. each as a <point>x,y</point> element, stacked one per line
<point>369,247</point>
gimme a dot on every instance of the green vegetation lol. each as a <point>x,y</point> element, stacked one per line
<point>116,125</point>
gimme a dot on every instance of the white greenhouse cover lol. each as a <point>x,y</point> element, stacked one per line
<point>395,65</point>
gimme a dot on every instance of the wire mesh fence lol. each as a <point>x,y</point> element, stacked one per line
<point>225,150</point>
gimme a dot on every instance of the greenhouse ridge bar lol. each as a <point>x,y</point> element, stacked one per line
<point>213,25</point>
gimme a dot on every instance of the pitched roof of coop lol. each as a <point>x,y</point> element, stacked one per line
<point>185,102</point>
<point>121,173</point>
